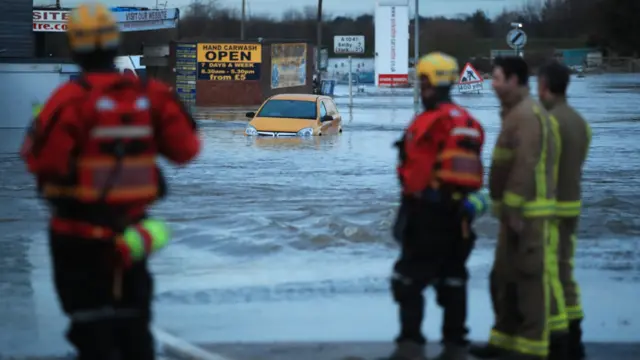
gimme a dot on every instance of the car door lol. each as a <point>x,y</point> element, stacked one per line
<point>325,126</point>
<point>332,110</point>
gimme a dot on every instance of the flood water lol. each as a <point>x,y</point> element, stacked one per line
<point>270,234</point>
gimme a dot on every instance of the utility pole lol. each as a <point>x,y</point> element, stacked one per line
<point>319,44</point>
<point>242,20</point>
<point>416,57</point>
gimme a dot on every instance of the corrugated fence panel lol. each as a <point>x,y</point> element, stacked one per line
<point>16,28</point>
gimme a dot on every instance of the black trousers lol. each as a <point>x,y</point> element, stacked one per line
<point>434,252</point>
<point>103,326</point>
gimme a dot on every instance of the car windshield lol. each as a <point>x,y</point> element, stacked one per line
<point>289,109</point>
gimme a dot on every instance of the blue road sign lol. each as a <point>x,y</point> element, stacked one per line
<point>516,39</point>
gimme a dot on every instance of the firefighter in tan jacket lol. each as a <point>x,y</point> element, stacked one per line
<point>553,80</point>
<point>522,184</point>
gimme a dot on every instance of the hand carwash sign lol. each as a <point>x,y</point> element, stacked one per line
<point>229,62</point>
<point>137,20</point>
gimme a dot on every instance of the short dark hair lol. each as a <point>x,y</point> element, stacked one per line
<point>513,65</point>
<point>556,77</point>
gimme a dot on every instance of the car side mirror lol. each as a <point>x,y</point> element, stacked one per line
<point>250,114</point>
<point>327,118</point>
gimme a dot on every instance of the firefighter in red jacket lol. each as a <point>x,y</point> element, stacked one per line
<point>440,166</point>
<point>93,150</point>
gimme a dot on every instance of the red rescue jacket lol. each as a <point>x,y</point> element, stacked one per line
<point>93,150</point>
<point>441,149</point>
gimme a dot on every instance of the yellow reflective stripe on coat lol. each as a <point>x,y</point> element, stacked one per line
<point>574,313</point>
<point>568,208</point>
<point>555,130</point>
<point>541,166</point>
<point>558,321</point>
<point>518,344</point>
<point>543,206</point>
<point>501,340</point>
<point>537,208</point>
<point>531,347</point>
<point>502,154</point>
<point>512,199</point>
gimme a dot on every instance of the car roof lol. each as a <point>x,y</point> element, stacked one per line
<point>299,97</point>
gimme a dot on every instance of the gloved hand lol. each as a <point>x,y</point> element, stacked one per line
<point>142,239</point>
<point>468,209</point>
<point>476,204</point>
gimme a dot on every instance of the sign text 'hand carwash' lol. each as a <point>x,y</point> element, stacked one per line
<point>229,62</point>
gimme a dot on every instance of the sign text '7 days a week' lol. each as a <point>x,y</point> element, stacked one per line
<point>229,62</point>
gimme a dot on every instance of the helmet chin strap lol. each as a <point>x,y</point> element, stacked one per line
<point>442,94</point>
<point>96,61</point>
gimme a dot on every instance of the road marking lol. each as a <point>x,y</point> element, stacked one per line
<point>183,349</point>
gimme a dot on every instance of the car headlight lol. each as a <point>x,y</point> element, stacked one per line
<point>251,131</point>
<point>306,132</point>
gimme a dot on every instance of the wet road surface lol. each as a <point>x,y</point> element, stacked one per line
<point>375,351</point>
<point>288,239</point>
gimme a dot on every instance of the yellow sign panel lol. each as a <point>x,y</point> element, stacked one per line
<point>228,71</point>
<point>230,53</point>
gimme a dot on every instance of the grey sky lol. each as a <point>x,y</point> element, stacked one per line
<point>334,7</point>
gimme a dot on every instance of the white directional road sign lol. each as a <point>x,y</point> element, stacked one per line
<point>517,39</point>
<point>348,44</point>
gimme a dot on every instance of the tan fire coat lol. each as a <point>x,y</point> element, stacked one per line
<point>522,184</point>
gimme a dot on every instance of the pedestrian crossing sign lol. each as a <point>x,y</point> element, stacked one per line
<point>470,80</point>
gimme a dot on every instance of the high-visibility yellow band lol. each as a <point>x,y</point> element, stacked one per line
<point>536,208</point>
<point>558,323</point>
<point>531,347</point>
<point>502,154</point>
<point>575,312</point>
<point>568,208</point>
<point>539,208</point>
<point>501,340</point>
<point>512,200</point>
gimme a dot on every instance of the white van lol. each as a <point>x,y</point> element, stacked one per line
<point>25,86</point>
<point>131,64</point>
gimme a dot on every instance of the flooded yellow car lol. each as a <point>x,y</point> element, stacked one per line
<point>295,115</point>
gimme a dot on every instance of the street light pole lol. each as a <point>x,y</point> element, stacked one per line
<point>242,19</point>
<point>319,40</point>
<point>416,57</point>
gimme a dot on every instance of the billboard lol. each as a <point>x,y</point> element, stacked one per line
<point>137,20</point>
<point>229,62</point>
<point>288,65</point>
<point>392,43</point>
<point>186,72</point>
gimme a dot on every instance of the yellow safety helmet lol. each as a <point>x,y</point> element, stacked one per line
<point>92,27</point>
<point>440,68</point>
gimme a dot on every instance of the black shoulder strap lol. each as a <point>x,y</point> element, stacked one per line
<point>83,82</point>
